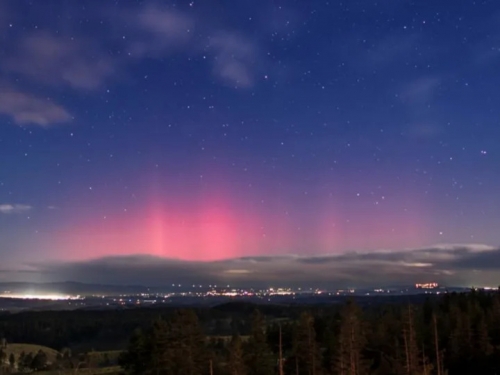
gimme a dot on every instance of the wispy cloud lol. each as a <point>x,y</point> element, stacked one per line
<point>449,264</point>
<point>54,61</point>
<point>420,91</point>
<point>82,62</point>
<point>486,52</point>
<point>424,130</point>
<point>418,95</point>
<point>158,30</point>
<point>8,208</point>
<point>392,49</point>
<point>60,60</point>
<point>387,52</point>
<point>26,109</point>
<point>161,31</point>
<point>234,58</point>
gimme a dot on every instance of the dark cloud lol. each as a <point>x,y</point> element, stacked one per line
<point>479,261</point>
<point>448,264</point>
<point>9,271</point>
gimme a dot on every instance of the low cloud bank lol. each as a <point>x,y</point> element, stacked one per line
<point>457,265</point>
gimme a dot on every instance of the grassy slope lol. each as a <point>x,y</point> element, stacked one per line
<point>17,349</point>
<point>96,358</point>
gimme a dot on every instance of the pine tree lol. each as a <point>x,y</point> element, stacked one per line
<point>351,342</point>
<point>494,317</point>
<point>188,344</point>
<point>22,360</point>
<point>454,348</point>
<point>427,367</point>
<point>12,360</point>
<point>306,349</point>
<point>236,361</point>
<point>259,357</point>
<point>482,342</point>
<point>439,354</point>
<point>330,344</point>
<point>414,360</point>
<point>176,347</point>
<point>137,358</point>
<point>39,361</point>
<point>162,358</point>
<point>280,353</point>
<point>27,361</point>
<point>3,360</point>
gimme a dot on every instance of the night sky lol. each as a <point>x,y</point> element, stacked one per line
<point>209,133</point>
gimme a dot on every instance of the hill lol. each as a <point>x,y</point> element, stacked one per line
<point>17,349</point>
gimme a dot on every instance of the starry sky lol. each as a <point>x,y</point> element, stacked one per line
<point>205,133</point>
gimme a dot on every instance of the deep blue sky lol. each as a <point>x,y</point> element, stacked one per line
<point>210,130</point>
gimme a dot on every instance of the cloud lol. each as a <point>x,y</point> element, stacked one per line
<point>485,52</point>
<point>421,90</point>
<point>7,208</point>
<point>159,30</point>
<point>11,271</point>
<point>457,265</point>
<point>83,62</point>
<point>28,109</point>
<point>417,96</point>
<point>60,61</point>
<point>392,49</point>
<point>234,58</point>
<point>389,52</point>
<point>424,130</point>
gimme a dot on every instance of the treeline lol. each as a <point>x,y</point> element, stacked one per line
<point>456,334</point>
<point>84,330</point>
<point>78,329</point>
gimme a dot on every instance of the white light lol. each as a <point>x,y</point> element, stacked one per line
<point>51,297</point>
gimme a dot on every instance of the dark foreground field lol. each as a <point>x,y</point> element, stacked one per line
<point>450,334</point>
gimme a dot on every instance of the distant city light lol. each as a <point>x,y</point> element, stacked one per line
<point>50,297</point>
<point>426,286</point>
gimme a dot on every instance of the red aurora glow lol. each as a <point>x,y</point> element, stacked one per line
<point>219,229</point>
